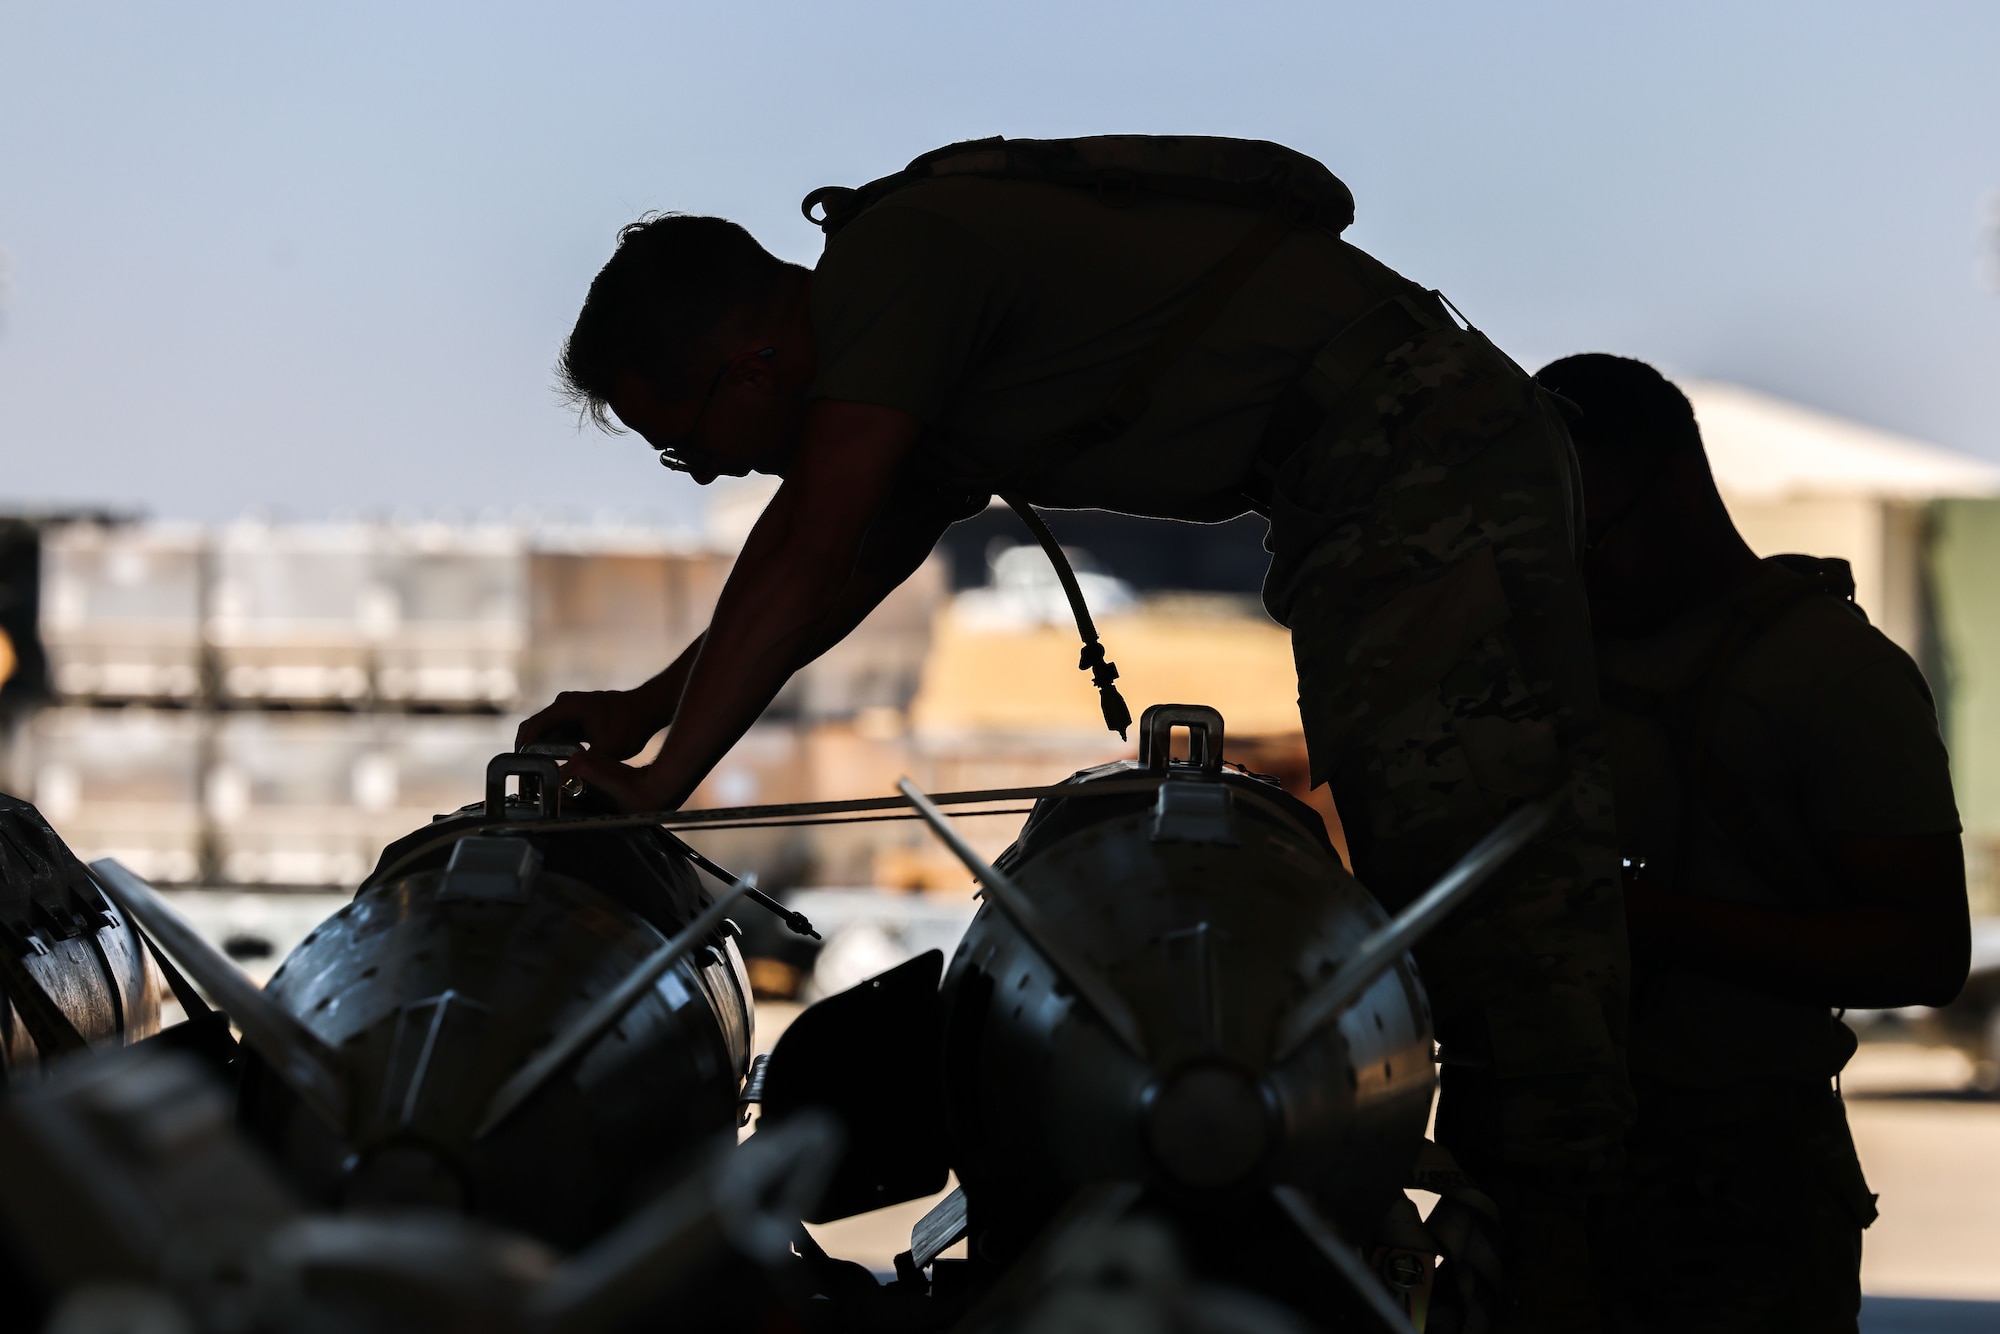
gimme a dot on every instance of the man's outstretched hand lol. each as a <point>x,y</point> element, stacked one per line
<point>814,565</point>
<point>616,724</point>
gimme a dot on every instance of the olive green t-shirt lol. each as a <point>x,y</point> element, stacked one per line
<point>1826,731</point>
<point>1001,313</point>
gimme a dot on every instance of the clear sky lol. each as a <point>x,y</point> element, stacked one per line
<point>318,258</point>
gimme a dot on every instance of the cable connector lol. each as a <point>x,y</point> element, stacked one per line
<point>1103,675</point>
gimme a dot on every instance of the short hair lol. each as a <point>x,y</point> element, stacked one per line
<point>1633,417</point>
<point>668,288</point>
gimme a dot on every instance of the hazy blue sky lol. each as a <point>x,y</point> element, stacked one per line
<point>319,257</point>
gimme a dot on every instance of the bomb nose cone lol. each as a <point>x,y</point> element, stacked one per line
<point>1208,1125</point>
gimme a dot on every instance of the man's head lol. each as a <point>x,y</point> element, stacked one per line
<point>1658,539</point>
<point>696,337</point>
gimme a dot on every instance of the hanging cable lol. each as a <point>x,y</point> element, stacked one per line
<point>1103,674</point>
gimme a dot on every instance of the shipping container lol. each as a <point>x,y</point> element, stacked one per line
<point>121,609</point>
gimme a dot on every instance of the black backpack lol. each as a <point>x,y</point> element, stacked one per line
<point>1688,714</point>
<point>1118,169</point>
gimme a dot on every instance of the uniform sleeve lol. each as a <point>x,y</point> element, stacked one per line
<point>905,303</point>
<point>1876,766</point>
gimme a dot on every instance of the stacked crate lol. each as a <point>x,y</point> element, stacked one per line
<point>121,612</point>
<point>116,763</point>
<point>456,627</point>
<point>309,798</point>
<point>354,662</point>
<point>268,704</point>
<point>120,782</point>
<point>609,608</point>
<point>295,612</point>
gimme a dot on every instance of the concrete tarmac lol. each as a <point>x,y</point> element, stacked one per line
<point>1930,1146</point>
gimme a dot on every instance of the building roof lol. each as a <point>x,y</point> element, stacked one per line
<point>1765,448</point>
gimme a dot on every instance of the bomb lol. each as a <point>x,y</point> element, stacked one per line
<point>73,972</point>
<point>1207,911</point>
<point>525,1020</point>
<point>1174,999</point>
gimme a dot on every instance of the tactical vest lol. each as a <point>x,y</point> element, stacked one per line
<point>1288,189</point>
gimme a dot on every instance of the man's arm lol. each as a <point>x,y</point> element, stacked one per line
<point>616,723</point>
<point>619,723</point>
<point>798,586</point>
<point>1903,938</point>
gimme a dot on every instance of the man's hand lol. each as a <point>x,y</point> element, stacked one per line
<point>634,789</point>
<point>788,597</point>
<point>615,724</point>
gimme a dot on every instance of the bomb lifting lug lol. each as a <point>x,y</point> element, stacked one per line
<point>540,763</point>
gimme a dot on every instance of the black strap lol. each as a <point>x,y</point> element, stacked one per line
<point>1689,713</point>
<point>1710,786</point>
<point>192,1005</point>
<point>1103,674</point>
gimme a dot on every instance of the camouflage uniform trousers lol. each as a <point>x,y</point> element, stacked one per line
<point>1423,556</point>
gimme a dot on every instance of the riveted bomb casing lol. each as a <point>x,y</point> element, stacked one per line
<point>463,956</point>
<point>1212,907</point>
<point>73,971</point>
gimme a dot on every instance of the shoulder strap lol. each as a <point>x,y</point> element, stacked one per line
<point>1830,577</point>
<point>1711,786</point>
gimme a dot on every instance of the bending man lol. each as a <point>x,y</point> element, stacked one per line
<point>1157,354</point>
